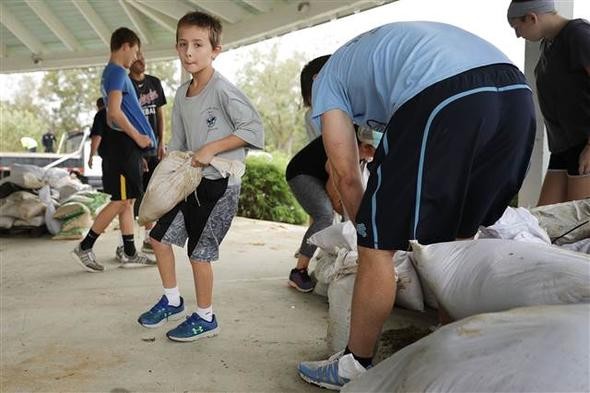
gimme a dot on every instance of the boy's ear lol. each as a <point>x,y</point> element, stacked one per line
<point>216,51</point>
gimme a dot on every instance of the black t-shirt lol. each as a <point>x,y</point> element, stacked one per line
<point>113,144</point>
<point>48,139</point>
<point>151,96</point>
<point>311,161</point>
<point>563,86</point>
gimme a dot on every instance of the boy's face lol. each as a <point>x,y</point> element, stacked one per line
<point>194,48</point>
<point>527,27</point>
<point>129,54</point>
<point>138,66</point>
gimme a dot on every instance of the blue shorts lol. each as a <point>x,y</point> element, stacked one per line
<point>451,160</point>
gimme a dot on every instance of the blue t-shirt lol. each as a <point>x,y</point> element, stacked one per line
<point>374,74</point>
<point>114,77</point>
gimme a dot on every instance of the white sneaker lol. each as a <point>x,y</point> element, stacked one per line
<point>137,260</point>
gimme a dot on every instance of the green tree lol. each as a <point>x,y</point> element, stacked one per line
<point>71,94</point>
<point>16,122</point>
<point>273,87</point>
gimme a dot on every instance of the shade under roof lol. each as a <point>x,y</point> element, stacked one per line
<point>39,35</point>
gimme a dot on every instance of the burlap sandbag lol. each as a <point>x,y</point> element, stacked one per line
<point>174,179</point>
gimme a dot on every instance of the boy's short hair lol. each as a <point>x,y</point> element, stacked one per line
<point>205,21</point>
<point>309,70</point>
<point>123,35</point>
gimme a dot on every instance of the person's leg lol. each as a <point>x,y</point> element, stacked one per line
<point>372,299</point>
<point>555,188</point>
<point>203,278</point>
<point>311,194</point>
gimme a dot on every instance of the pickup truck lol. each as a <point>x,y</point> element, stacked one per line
<point>72,155</point>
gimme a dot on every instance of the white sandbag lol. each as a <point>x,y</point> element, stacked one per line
<point>582,246</point>
<point>530,349</point>
<point>340,235</point>
<point>6,222</point>
<point>409,291</point>
<point>324,263</point>
<point>340,299</point>
<point>559,218</point>
<point>29,222</point>
<point>486,275</point>
<point>27,176</point>
<point>516,224</point>
<point>53,225</point>
<point>174,179</point>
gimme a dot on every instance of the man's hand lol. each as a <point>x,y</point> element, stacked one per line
<point>161,151</point>
<point>584,161</point>
<point>143,141</point>
<point>90,162</point>
<point>202,157</point>
<point>144,164</point>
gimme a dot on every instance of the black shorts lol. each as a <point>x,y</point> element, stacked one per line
<point>122,177</point>
<point>203,218</point>
<point>567,160</point>
<point>451,160</point>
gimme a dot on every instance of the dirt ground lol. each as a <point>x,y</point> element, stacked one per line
<point>64,329</point>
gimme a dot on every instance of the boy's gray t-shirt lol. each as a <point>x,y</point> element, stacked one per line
<point>220,110</point>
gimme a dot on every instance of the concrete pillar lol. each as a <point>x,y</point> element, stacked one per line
<point>531,188</point>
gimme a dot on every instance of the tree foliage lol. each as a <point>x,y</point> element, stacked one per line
<point>17,121</point>
<point>273,87</point>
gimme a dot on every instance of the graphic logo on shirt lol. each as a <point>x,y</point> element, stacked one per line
<point>361,230</point>
<point>211,119</point>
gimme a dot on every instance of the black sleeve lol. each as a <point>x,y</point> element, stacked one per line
<point>579,46</point>
<point>99,124</point>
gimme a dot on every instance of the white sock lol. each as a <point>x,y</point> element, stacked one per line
<point>205,313</point>
<point>173,296</point>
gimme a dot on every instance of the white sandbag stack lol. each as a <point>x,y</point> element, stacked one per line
<point>532,349</point>
<point>487,275</point>
<point>560,218</point>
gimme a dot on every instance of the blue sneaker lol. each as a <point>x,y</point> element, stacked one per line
<point>161,313</point>
<point>333,373</point>
<point>193,329</point>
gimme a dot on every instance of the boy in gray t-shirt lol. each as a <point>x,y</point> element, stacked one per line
<point>210,117</point>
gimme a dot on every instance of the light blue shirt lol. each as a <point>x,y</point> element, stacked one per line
<point>374,74</point>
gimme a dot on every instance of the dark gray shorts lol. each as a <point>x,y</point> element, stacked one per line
<point>203,218</point>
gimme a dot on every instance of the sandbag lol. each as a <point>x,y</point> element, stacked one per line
<point>559,218</point>
<point>336,236</point>
<point>174,179</point>
<point>340,299</point>
<point>530,349</point>
<point>29,222</point>
<point>71,209</point>
<point>53,225</point>
<point>6,222</point>
<point>478,276</point>
<point>409,291</point>
<point>516,224</point>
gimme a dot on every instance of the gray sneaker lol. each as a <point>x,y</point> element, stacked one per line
<point>87,259</point>
<point>120,254</point>
<point>138,260</point>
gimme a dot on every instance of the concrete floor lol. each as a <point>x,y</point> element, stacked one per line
<point>64,329</point>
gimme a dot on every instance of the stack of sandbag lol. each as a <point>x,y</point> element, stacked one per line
<point>336,265</point>
<point>532,349</point>
<point>77,213</point>
<point>48,186</point>
<point>174,179</point>
<point>22,209</point>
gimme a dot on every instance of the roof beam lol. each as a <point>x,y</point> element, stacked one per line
<point>290,17</point>
<point>16,27</point>
<point>260,5</point>
<point>103,32</point>
<point>224,9</point>
<point>172,8</point>
<point>54,24</point>
<point>138,24</point>
<point>163,20</point>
